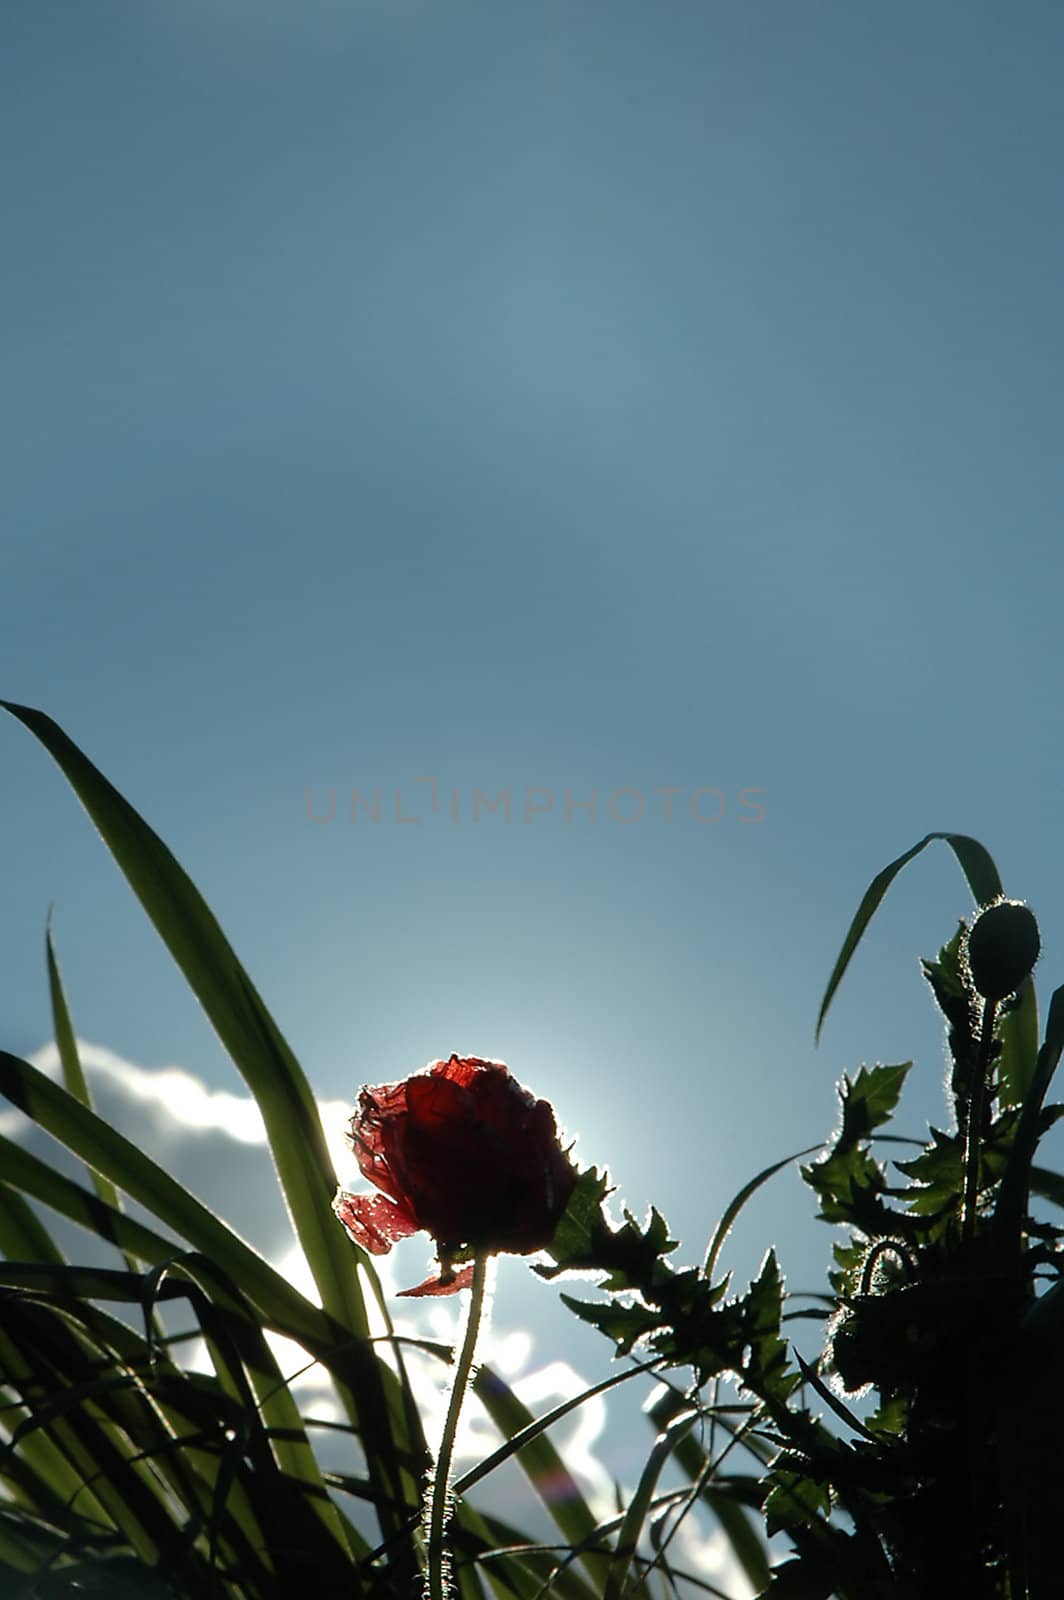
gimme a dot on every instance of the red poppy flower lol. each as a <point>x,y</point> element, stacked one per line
<point>462,1151</point>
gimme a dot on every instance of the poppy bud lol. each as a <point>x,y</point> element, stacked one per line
<point>1003,946</point>
<point>463,1152</point>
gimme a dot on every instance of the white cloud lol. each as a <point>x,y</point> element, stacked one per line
<point>180,1094</point>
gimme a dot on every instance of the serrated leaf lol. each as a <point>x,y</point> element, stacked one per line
<point>794,1501</point>
<point>946,974</point>
<point>657,1235</point>
<point>624,1324</point>
<point>869,1101</point>
<point>581,1225</point>
<point>937,1173</point>
<point>761,1314</point>
<point>890,1418</point>
<point>845,1182</point>
<point>850,1259</point>
<point>640,1502</point>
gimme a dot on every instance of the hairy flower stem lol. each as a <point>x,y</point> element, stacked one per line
<point>438,1499</point>
<point>975,1118</point>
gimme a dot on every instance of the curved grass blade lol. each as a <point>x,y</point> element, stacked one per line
<point>544,1468</point>
<point>724,1226</point>
<point>85,1370</point>
<point>511,1564</point>
<point>524,1436</point>
<point>716,1491</point>
<point>23,1236</point>
<point>74,1073</point>
<point>977,865</point>
<point>101,1146</point>
<point>640,1504</point>
<point>70,1062</point>
<point>542,1464</point>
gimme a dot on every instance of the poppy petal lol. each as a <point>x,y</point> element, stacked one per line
<point>438,1285</point>
<point>373,1221</point>
<point>379,1110</point>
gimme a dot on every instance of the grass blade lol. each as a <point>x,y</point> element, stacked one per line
<point>542,1464</point>
<point>977,865</point>
<point>23,1236</point>
<point>725,1224</point>
<point>640,1503</point>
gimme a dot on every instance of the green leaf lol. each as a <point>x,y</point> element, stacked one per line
<point>869,1102</point>
<point>585,1240</point>
<point>581,1224</point>
<point>848,1181</point>
<point>794,1501</point>
<point>977,865</point>
<point>850,1259</point>
<point>762,1312</point>
<point>849,1185</point>
<point>890,1418</point>
<point>937,1174</point>
<point>946,974</point>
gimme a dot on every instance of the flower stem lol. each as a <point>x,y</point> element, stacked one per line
<point>439,1495</point>
<point>975,1119</point>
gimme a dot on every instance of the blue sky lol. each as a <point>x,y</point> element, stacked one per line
<point>566,396</point>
